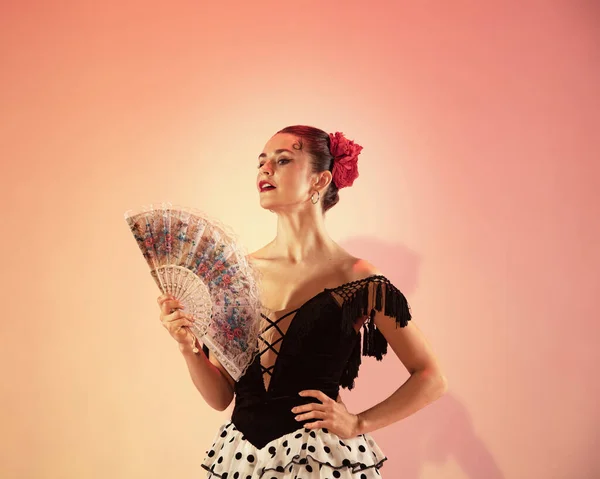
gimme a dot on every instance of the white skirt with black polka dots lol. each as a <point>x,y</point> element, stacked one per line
<point>302,454</point>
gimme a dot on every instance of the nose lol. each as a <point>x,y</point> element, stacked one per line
<point>266,169</point>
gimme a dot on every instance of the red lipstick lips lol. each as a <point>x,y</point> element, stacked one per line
<point>265,186</point>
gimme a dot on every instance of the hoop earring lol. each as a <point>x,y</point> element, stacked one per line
<point>318,198</point>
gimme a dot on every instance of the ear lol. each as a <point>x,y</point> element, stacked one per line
<point>322,180</point>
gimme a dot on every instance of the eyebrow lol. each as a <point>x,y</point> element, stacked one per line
<point>277,152</point>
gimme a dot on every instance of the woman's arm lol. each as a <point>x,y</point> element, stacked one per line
<point>425,384</point>
<point>210,378</point>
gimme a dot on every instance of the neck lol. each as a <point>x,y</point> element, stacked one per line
<point>301,236</point>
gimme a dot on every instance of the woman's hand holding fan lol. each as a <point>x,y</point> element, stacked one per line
<point>174,320</point>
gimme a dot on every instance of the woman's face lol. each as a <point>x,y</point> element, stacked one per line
<point>285,178</point>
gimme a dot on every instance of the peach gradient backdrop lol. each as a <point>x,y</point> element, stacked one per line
<point>478,196</point>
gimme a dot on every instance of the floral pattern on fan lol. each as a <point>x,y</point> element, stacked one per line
<point>200,262</point>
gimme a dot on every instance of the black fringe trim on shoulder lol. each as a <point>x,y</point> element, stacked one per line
<point>367,296</point>
<point>363,298</point>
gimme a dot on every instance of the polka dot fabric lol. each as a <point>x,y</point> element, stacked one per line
<point>302,454</point>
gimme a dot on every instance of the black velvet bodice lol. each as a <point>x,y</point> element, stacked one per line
<point>321,350</point>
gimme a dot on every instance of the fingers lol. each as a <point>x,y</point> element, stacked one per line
<point>320,395</point>
<point>174,319</point>
<point>168,303</point>
<point>177,324</point>
<point>310,407</point>
<point>311,415</point>
<point>320,425</point>
<point>171,305</point>
<point>164,297</point>
<point>177,316</point>
<point>173,323</point>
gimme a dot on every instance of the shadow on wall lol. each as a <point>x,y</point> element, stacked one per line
<point>440,432</point>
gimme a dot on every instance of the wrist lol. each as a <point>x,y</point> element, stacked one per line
<point>360,424</point>
<point>187,349</point>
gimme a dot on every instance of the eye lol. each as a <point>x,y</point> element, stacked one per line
<point>284,160</point>
<point>260,165</point>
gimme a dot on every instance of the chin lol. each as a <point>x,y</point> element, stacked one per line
<point>266,204</point>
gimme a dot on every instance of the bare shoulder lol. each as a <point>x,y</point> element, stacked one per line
<point>359,268</point>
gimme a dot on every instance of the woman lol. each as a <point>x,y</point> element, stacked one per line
<point>289,421</point>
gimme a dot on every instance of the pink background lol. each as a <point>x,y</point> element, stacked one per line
<point>478,196</point>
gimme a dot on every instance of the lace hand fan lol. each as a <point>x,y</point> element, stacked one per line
<point>199,261</point>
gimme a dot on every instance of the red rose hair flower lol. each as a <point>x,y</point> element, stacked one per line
<point>345,158</point>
